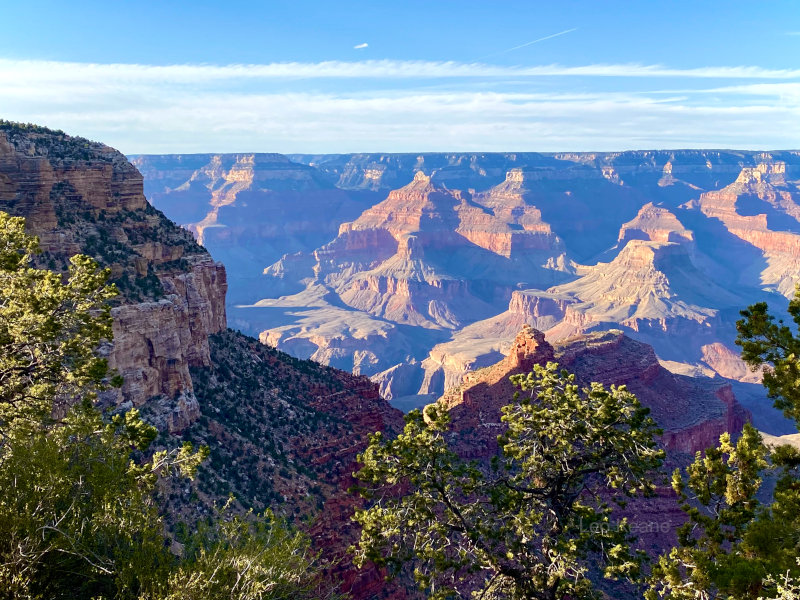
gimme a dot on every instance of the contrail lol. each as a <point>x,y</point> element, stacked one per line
<point>547,37</point>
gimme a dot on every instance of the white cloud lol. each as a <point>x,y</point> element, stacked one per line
<point>30,70</point>
<point>205,108</point>
<point>360,46</point>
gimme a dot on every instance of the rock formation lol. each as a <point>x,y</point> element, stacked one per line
<point>762,208</point>
<point>282,432</point>
<point>81,196</point>
<point>435,279</point>
<point>693,412</point>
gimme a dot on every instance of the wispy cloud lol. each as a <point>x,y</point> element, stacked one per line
<point>360,46</point>
<point>395,106</point>
<point>384,69</point>
<point>531,43</point>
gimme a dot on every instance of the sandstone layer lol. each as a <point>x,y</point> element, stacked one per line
<point>462,249</point>
<point>81,196</point>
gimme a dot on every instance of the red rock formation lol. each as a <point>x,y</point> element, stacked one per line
<point>780,200</point>
<point>80,196</point>
<point>693,412</point>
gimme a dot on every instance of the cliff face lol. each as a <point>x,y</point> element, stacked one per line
<point>762,208</point>
<point>81,196</point>
<point>693,412</point>
<point>249,209</point>
<point>282,432</point>
<point>156,342</point>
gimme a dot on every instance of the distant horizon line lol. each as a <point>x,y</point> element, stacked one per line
<point>495,152</point>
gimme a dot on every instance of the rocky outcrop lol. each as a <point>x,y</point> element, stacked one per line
<point>693,412</point>
<point>484,342</point>
<point>248,210</point>
<point>81,196</point>
<point>762,208</point>
<point>156,342</point>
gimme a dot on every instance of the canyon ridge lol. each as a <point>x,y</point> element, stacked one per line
<point>416,270</point>
<point>285,431</point>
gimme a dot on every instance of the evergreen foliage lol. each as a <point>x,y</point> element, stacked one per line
<point>734,546</point>
<point>533,523</point>
<point>775,347</point>
<point>78,515</point>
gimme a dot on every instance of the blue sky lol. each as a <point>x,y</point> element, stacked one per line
<point>303,76</point>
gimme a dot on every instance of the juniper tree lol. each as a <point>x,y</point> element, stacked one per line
<point>734,546</point>
<point>530,524</point>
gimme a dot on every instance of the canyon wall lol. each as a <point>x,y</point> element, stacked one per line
<point>456,251</point>
<point>81,196</point>
<point>281,432</point>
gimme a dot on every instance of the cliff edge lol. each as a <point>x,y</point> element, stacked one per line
<point>80,196</point>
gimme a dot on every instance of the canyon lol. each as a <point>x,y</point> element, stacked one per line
<point>432,291</point>
<point>422,268</point>
<point>281,432</point>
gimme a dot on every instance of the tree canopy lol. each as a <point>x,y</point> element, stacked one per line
<point>770,344</point>
<point>531,524</point>
<point>78,512</point>
<point>736,545</point>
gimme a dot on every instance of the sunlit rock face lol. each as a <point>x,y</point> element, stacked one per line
<point>81,196</point>
<point>431,276</point>
<point>693,412</point>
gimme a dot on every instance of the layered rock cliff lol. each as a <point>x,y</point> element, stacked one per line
<point>282,432</point>
<point>693,412</point>
<point>81,196</point>
<point>762,207</point>
<point>435,279</point>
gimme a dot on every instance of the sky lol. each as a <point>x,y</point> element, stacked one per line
<point>168,76</point>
